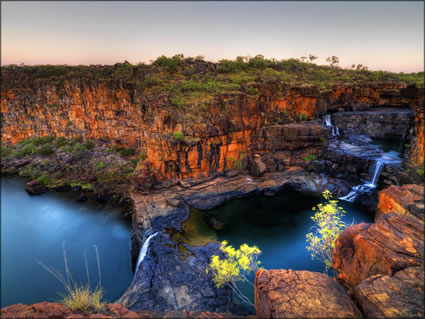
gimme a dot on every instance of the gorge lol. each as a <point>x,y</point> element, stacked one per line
<point>169,161</point>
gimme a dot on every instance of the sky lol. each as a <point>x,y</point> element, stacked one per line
<point>381,35</point>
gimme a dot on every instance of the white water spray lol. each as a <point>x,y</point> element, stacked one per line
<point>143,251</point>
<point>328,123</point>
<point>366,187</point>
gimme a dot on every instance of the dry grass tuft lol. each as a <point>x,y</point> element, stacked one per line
<point>79,297</point>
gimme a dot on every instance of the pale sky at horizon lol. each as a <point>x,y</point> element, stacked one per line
<point>381,35</point>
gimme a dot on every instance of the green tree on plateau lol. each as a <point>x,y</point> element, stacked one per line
<point>236,265</point>
<point>329,225</point>
<point>312,57</point>
<point>333,60</point>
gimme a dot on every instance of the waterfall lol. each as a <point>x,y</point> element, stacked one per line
<point>366,187</point>
<point>376,173</point>
<point>328,123</point>
<point>143,251</point>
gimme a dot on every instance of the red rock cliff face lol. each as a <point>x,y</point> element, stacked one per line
<point>232,127</point>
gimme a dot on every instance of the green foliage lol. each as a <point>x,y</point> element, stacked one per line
<point>170,64</point>
<point>178,100</point>
<point>76,139</point>
<point>148,83</point>
<point>68,148</point>
<point>178,135</point>
<point>229,66</point>
<point>329,225</point>
<point>236,164</point>
<point>141,157</point>
<point>309,158</point>
<point>303,116</point>
<point>43,179</point>
<point>100,165</point>
<point>6,151</point>
<point>126,152</point>
<point>89,144</point>
<point>78,151</point>
<point>234,267</point>
<point>252,91</point>
<point>27,149</point>
<point>164,72</point>
<point>84,186</point>
<point>53,105</point>
<point>420,172</point>
<point>116,173</point>
<point>60,141</point>
<point>322,139</point>
<point>42,140</point>
<point>46,149</point>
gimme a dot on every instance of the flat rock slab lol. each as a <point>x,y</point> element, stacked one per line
<point>399,296</point>
<point>301,294</point>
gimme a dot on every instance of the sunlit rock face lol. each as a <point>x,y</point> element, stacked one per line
<point>232,128</point>
<point>301,294</point>
<point>382,263</point>
<point>398,296</point>
<point>393,242</point>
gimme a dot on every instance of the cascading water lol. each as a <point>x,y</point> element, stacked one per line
<point>366,187</point>
<point>328,123</point>
<point>143,251</point>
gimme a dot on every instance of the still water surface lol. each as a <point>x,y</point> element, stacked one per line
<point>34,228</point>
<point>277,225</point>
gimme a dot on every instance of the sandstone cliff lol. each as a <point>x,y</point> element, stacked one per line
<point>194,141</point>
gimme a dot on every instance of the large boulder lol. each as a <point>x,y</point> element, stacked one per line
<point>401,295</point>
<point>393,242</point>
<point>405,199</point>
<point>301,294</point>
<point>257,168</point>
<point>34,188</point>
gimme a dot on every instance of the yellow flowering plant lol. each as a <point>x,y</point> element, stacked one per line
<point>329,225</point>
<point>235,266</point>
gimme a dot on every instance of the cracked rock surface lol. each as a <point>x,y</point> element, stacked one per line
<point>400,296</point>
<point>301,294</point>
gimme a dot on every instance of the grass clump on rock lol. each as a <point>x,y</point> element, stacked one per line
<point>79,297</point>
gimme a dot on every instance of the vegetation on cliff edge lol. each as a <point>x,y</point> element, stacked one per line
<point>92,166</point>
<point>186,80</point>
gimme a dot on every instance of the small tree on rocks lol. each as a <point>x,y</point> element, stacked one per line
<point>236,265</point>
<point>329,225</point>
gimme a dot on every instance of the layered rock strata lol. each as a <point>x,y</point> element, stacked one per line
<point>380,262</point>
<point>389,123</point>
<point>231,130</point>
